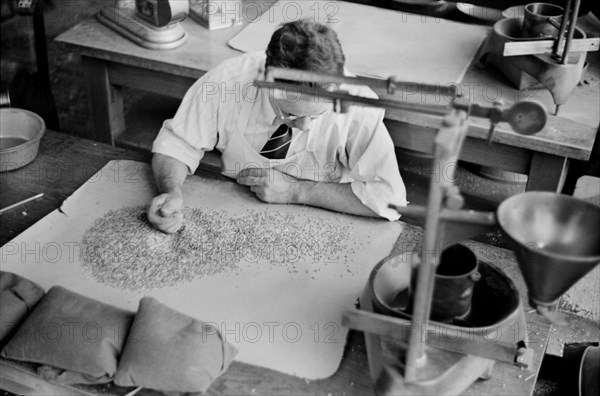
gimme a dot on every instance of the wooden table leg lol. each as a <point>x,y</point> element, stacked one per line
<point>106,101</point>
<point>547,172</point>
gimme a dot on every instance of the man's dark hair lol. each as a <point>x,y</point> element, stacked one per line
<point>306,45</point>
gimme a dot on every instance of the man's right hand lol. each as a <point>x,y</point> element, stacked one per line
<point>165,212</point>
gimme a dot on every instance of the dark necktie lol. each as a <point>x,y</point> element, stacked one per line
<point>278,144</point>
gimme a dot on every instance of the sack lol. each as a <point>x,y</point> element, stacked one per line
<point>172,352</point>
<point>18,296</point>
<point>81,337</point>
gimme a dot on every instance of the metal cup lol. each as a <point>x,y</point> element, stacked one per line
<point>541,20</point>
<point>455,279</point>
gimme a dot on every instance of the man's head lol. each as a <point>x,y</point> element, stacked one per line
<point>304,45</point>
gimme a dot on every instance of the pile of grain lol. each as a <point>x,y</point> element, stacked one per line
<point>122,249</point>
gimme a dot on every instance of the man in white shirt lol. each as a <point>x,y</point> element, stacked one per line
<point>288,148</point>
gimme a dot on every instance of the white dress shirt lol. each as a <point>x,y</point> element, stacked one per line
<point>223,110</point>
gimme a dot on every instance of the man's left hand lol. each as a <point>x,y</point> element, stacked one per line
<point>270,185</point>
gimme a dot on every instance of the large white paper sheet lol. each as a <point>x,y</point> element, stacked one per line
<point>379,42</point>
<point>284,321</point>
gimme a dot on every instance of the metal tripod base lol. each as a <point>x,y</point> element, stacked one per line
<point>442,373</point>
<point>443,369</point>
<point>128,25</point>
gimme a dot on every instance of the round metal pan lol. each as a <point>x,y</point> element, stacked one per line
<point>20,134</point>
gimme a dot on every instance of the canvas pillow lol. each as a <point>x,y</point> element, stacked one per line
<point>80,336</point>
<point>18,296</point>
<point>172,352</point>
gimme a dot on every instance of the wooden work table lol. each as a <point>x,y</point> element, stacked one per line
<point>113,62</point>
<point>65,162</point>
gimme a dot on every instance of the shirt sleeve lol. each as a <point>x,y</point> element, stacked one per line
<point>374,174</point>
<point>193,129</point>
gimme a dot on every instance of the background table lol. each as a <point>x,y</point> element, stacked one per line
<point>112,62</point>
<point>66,162</point>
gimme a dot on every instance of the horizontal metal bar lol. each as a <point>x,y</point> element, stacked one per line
<point>517,48</point>
<point>438,110</point>
<point>460,216</point>
<point>437,335</point>
<point>390,85</point>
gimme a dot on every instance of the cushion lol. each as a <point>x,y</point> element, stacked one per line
<point>172,352</point>
<point>78,335</point>
<point>18,296</point>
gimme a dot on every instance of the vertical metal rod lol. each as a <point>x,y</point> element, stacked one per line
<point>426,274</point>
<point>572,23</point>
<point>563,26</point>
<point>448,143</point>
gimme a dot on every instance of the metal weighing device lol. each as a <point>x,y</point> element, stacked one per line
<point>556,240</point>
<point>152,24</point>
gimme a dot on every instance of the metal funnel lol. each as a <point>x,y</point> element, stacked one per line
<point>556,239</point>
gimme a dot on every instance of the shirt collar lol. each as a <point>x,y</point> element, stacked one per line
<point>277,121</point>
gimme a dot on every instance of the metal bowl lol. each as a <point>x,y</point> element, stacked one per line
<point>556,239</point>
<point>20,134</point>
<point>511,29</point>
<point>389,284</point>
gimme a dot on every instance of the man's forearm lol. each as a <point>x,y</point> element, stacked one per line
<point>334,196</point>
<point>169,173</point>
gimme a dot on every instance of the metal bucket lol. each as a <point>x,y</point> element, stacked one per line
<point>20,134</point>
<point>542,20</point>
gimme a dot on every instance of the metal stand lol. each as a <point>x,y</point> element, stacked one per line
<point>441,368</point>
<point>448,143</point>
